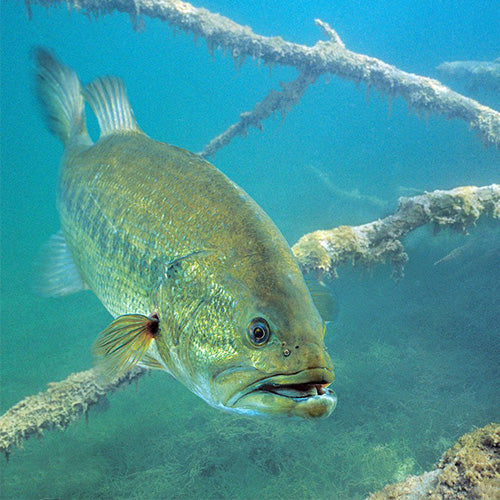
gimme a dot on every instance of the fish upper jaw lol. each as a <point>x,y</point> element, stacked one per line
<point>304,394</point>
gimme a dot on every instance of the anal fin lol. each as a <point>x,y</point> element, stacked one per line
<point>57,272</point>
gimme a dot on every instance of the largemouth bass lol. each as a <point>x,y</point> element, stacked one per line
<point>200,281</point>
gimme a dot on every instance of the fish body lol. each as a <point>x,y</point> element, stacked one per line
<point>201,282</point>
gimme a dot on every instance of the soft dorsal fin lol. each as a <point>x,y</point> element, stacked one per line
<point>108,99</point>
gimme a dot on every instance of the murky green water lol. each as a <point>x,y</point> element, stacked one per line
<point>416,361</point>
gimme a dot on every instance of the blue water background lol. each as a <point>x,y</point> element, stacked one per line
<point>416,362</point>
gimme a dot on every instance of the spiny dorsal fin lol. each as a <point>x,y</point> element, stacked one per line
<point>108,99</point>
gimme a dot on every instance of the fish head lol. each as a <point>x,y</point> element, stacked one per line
<point>250,338</point>
<point>281,366</point>
<point>289,375</point>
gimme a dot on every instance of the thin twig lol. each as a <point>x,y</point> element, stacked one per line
<point>276,101</point>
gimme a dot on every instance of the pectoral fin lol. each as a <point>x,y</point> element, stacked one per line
<point>150,362</point>
<point>57,274</point>
<point>124,343</point>
<point>323,298</point>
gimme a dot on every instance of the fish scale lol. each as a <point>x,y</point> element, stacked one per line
<point>147,224</point>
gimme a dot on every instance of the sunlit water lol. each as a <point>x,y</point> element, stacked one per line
<point>416,361</point>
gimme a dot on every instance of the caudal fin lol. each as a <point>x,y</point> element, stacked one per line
<point>60,93</point>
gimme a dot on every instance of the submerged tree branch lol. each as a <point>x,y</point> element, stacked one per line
<point>276,101</point>
<point>421,93</point>
<point>321,252</point>
<point>474,74</point>
<point>56,408</point>
<point>470,469</point>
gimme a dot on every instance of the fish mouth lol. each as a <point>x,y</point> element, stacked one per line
<point>296,391</point>
<point>303,394</point>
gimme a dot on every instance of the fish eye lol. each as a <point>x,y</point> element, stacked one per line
<point>259,331</point>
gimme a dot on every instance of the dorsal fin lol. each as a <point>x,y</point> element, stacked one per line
<point>108,99</point>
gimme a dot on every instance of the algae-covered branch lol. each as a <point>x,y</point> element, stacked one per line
<point>470,469</point>
<point>325,57</point>
<point>474,74</point>
<point>57,407</point>
<point>321,252</point>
